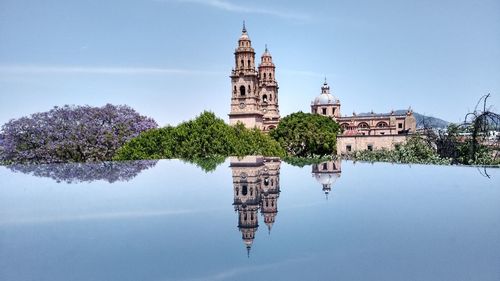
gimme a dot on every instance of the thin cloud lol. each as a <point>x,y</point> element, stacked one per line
<point>238,8</point>
<point>48,69</point>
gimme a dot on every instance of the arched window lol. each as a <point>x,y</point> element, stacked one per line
<point>237,191</point>
<point>264,98</point>
<point>249,89</point>
<point>244,190</point>
<point>381,125</point>
<point>266,181</point>
<point>344,126</point>
<point>270,97</point>
<point>264,76</point>
<point>242,63</point>
<point>251,191</point>
<point>242,90</point>
<point>270,76</point>
<point>248,63</point>
<point>363,125</point>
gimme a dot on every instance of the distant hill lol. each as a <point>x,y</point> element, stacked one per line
<point>433,122</point>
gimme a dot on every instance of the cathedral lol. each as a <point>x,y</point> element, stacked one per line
<point>254,99</point>
<point>364,131</point>
<point>254,103</point>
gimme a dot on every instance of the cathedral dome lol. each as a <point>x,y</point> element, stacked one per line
<point>324,99</point>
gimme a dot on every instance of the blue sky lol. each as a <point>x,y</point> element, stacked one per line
<point>170,59</point>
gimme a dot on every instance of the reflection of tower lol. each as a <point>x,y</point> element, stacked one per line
<point>256,185</point>
<point>270,191</point>
<point>326,173</point>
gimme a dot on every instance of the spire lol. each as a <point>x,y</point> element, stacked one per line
<point>248,251</point>
<point>269,226</point>
<point>244,30</point>
<point>267,51</point>
<point>325,89</point>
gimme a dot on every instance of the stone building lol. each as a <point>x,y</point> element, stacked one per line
<point>365,131</point>
<point>256,187</point>
<point>254,98</point>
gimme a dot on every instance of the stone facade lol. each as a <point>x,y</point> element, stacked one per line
<point>254,98</point>
<point>350,143</point>
<point>368,131</point>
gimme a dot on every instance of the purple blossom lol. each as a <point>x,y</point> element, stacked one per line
<point>86,172</point>
<point>71,134</point>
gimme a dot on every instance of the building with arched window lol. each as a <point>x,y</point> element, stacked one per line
<point>254,98</point>
<point>364,131</point>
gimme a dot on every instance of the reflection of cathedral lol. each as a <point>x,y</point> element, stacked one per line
<point>326,174</point>
<point>256,186</point>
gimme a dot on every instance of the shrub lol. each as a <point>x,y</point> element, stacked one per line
<point>415,150</point>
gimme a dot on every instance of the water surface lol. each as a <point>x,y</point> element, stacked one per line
<point>250,219</point>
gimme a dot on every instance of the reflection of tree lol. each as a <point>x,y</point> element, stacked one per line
<point>207,164</point>
<point>306,161</point>
<point>86,172</point>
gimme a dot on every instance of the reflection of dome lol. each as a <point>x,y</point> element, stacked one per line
<point>248,242</point>
<point>326,178</point>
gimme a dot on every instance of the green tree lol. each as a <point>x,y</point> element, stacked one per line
<point>306,135</point>
<point>205,141</point>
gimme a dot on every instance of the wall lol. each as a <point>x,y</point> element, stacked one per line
<point>361,142</point>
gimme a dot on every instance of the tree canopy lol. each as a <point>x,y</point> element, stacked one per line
<point>200,141</point>
<point>306,135</point>
<point>71,134</point>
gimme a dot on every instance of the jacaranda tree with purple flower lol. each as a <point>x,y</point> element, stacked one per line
<point>71,134</point>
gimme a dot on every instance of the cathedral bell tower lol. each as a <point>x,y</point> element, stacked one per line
<point>245,104</point>
<point>268,91</point>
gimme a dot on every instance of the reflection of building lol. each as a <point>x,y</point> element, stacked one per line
<point>367,131</point>
<point>256,186</point>
<point>326,173</point>
<point>254,98</point>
